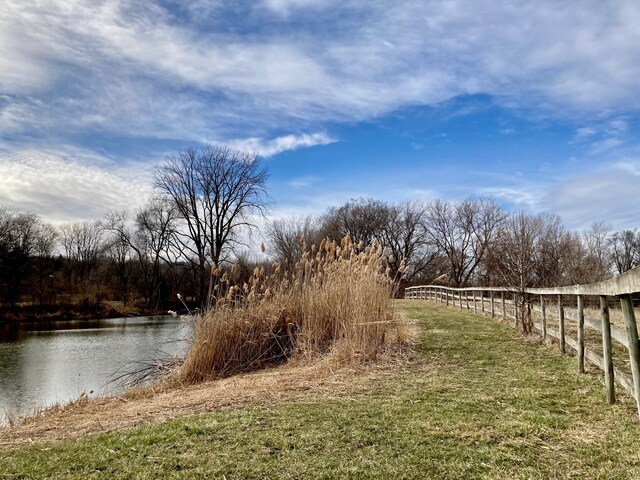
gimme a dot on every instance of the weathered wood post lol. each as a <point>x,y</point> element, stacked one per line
<point>460,298</point>
<point>475,304</point>
<point>515,309</point>
<point>466,297</point>
<point>482,300</point>
<point>561,324</point>
<point>447,297</point>
<point>580,334</point>
<point>529,322</point>
<point>543,311</point>
<point>634,349</point>
<point>493,310</point>
<point>504,310</point>
<point>606,351</point>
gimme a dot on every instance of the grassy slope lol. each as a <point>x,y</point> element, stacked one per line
<point>483,404</point>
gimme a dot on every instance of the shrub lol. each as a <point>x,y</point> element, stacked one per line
<point>336,301</point>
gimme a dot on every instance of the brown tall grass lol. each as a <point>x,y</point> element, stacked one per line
<point>336,301</point>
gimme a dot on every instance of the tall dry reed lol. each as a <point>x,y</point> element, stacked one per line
<point>336,301</point>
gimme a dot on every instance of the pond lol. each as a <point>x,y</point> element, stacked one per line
<point>41,365</point>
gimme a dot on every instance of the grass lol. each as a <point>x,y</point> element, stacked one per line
<point>481,403</point>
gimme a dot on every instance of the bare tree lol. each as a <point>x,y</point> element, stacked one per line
<point>536,251</point>
<point>45,244</point>
<point>288,236</point>
<point>118,250</point>
<point>464,232</point>
<point>83,245</point>
<point>148,239</point>
<point>405,238</point>
<point>598,261</point>
<point>362,220</point>
<point>214,190</point>
<point>18,241</point>
<point>625,249</point>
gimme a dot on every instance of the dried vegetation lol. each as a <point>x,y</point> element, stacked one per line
<point>336,302</point>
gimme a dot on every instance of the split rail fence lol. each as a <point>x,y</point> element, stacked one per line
<point>569,306</point>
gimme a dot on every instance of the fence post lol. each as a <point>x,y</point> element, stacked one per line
<point>504,311</point>
<point>580,334</point>
<point>492,304</point>
<point>515,308</point>
<point>482,300</point>
<point>634,349</point>
<point>460,298</point>
<point>466,298</point>
<point>447,297</point>
<point>475,303</point>
<point>561,324</point>
<point>543,311</point>
<point>606,351</point>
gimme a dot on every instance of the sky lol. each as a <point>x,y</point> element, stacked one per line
<point>534,103</point>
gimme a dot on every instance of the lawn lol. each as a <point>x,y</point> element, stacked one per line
<point>480,402</point>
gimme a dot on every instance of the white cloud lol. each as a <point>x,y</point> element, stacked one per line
<point>70,185</point>
<point>125,65</point>
<point>605,145</point>
<point>585,132</point>
<point>269,148</point>
<point>133,69</point>
<point>608,194</point>
<point>284,7</point>
<point>303,182</point>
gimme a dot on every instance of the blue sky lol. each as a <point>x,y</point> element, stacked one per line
<point>536,103</point>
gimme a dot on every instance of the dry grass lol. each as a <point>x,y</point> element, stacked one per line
<point>164,401</point>
<point>336,302</point>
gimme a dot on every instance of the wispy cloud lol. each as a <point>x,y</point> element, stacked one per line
<point>602,194</point>
<point>262,75</point>
<point>303,182</point>
<point>269,148</point>
<point>124,65</point>
<point>69,185</point>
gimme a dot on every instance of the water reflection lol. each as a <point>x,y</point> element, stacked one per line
<point>42,365</point>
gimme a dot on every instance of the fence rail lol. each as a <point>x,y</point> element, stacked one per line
<point>519,304</point>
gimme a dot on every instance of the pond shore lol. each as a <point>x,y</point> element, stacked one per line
<point>53,313</point>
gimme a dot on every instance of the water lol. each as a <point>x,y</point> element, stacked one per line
<point>57,364</point>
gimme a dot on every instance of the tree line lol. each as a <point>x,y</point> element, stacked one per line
<point>207,199</point>
<point>204,201</point>
<point>467,243</point>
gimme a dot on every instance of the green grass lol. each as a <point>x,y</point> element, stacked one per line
<point>482,403</point>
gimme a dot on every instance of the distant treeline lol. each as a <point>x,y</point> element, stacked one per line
<point>471,242</point>
<point>204,203</point>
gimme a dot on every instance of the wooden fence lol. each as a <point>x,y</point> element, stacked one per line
<point>611,296</point>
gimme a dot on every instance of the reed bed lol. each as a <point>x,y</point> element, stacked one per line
<point>335,302</point>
